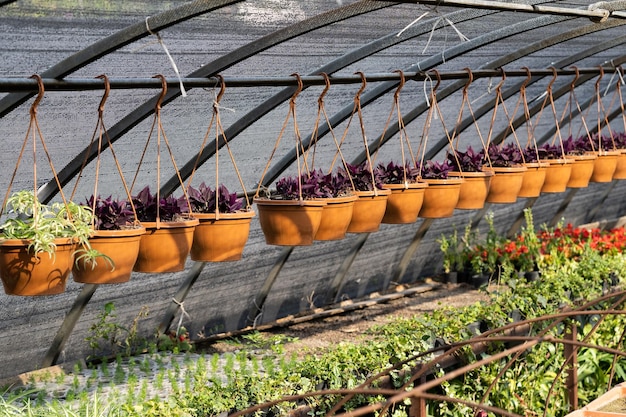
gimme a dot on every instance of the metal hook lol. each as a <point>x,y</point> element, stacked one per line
<point>299,88</point>
<point>554,75</point>
<point>599,77</point>
<point>222,88</point>
<point>33,107</point>
<point>363,84</point>
<point>470,79</point>
<point>528,77</point>
<point>107,90</point>
<point>501,83</point>
<point>402,82</point>
<point>438,75</point>
<point>163,91</point>
<point>326,88</point>
<point>576,77</point>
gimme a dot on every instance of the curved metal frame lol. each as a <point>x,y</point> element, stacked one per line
<point>506,344</point>
<point>198,7</point>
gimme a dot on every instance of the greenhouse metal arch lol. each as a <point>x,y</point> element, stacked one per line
<point>271,283</point>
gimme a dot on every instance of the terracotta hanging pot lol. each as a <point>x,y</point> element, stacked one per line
<point>505,184</point>
<point>369,211</point>
<point>404,202</point>
<point>220,240</point>
<point>557,175</point>
<point>534,177</point>
<point>24,274</point>
<point>165,249</point>
<point>122,249</point>
<point>289,222</point>
<point>440,198</point>
<point>336,217</point>
<point>474,189</point>
<point>582,168</point>
<point>605,166</point>
<point>620,169</point>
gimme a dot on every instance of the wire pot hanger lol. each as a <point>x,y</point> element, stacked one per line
<point>298,141</point>
<point>549,97</point>
<point>101,131</point>
<point>465,101</point>
<point>219,133</point>
<point>156,123</point>
<point>321,110</point>
<point>356,109</point>
<point>402,134</point>
<point>434,112</point>
<point>33,127</point>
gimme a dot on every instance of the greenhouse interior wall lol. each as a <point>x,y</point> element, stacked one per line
<point>266,42</point>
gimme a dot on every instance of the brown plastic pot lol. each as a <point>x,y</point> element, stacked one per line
<point>440,198</point>
<point>605,166</point>
<point>24,274</point>
<point>336,217</point>
<point>289,222</point>
<point>505,184</point>
<point>165,249</point>
<point>223,239</point>
<point>404,202</point>
<point>557,175</point>
<point>120,246</point>
<point>534,177</point>
<point>620,169</point>
<point>369,210</point>
<point>474,189</point>
<point>582,168</point>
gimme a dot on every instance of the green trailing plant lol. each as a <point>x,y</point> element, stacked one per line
<point>41,224</point>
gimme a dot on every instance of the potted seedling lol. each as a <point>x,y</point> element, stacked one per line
<point>559,170</point>
<point>580,152</point>
<point>39,243</point>
<point>369,208</point>
<point>169,232</point>
<point>617,142</point>
<point>224,224</point>
<point>291,214</point>
<point>407,192</point>
<point>475,187</point>
<point>116,236</point>
<point>506,164</point>
<point>442,194</point>
<point>336,189</point>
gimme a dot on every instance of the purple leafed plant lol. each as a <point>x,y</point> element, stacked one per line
<point>333,185</point>
<point>202,199</point>
<point>618,142</point>
<point>468,161</point>
<point>531,154</point>
<point>111,214</point>
<point>393,173</point>
<point>549,151</point>
<point>504,156</point>
<point>577,146</point>
<point>170,207</point>
<point>435,170</point>
<point>362,177</point>
<point>288,188</point>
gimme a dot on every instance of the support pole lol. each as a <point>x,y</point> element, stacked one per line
<point>68,324</point>
<point>338,282</point>
<point>259,301</point>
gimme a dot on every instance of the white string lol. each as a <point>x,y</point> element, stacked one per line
<point>183,314</point>
<point>425,91</point>
<point>167,52</point>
